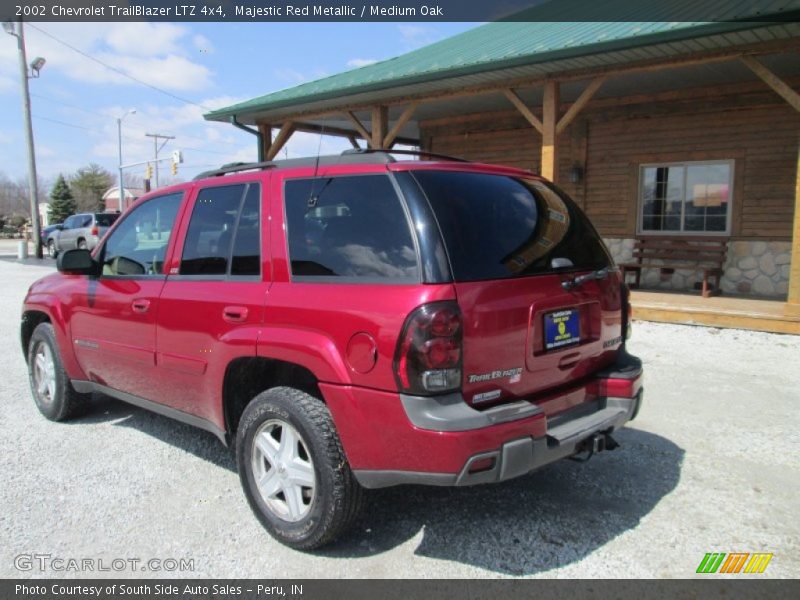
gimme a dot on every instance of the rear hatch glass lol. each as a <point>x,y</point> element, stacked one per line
<point>511,242</point>
<point>106,219</point>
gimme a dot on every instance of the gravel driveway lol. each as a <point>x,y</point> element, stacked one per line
<point>710,464</point>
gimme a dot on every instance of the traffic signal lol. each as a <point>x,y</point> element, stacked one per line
<point>148,171</point>
<point>174,168</point>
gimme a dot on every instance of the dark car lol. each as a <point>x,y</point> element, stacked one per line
<point>348,322</point>
<point>44,238</point>
<point>83,230</point>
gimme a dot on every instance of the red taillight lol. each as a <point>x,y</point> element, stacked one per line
<point>95,230</point>
<point>428,356</point>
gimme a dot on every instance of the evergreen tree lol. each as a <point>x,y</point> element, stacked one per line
<point>62,204</point>
<point>88,185</point>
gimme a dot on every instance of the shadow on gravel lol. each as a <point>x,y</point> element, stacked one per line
<point>201,444</point>
<point>542,521</point>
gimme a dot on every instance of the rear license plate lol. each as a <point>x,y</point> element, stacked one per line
<point>561,329</point>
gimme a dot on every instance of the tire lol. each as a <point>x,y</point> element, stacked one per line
<point>82,245</point>
<point>52,391</point>
<point>51,249</point>
<point>321,511</point>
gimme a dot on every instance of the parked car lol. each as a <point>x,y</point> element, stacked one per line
<point>348,322</point>
<point>47,232</point>
<point>83,230</point>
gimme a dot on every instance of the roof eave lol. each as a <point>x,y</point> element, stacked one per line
<point>238,110</point>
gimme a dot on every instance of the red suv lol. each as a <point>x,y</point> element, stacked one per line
<point>348,322</point>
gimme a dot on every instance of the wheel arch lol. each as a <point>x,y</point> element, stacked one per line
<point>247,376</point>
<point>31,319</point>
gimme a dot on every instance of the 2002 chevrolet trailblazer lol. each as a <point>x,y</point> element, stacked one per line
<point>348,322</point>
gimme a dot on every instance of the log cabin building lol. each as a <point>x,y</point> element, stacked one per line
<point>655,129</point>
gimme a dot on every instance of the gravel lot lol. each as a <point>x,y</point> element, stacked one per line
<point>710,464</point>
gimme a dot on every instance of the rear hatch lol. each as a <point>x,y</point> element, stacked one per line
<point>512,242</point>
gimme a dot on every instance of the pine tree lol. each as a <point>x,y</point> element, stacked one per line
<point>62,204</point>
<point>88,185</point>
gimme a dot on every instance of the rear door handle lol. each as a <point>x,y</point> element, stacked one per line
<point>140,305</point>
<point>234,314</point>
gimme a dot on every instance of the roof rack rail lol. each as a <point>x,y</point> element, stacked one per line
<point>234,167</point>
<point>403,152</point>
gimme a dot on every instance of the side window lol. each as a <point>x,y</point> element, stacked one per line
<point>224,232</point>
<point>246,257</point>
<point>139,245</point>
<point>68,223</point>
<point>84,220</point>
<point>351,227</point>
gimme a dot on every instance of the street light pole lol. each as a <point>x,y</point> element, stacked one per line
<point>119,140</point>
<point>19,33</point>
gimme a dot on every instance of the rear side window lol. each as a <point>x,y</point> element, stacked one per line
<point>105,219</point>
<point>349,227</point>
<point>498,227</point>
<point>213,244</point>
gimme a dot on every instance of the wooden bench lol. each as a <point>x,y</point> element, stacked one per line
<point>667,253</point>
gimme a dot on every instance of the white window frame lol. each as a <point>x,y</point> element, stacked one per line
<point>689,163</point>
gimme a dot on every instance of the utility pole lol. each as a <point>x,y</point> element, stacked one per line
<point>157,148</point>
<point>19,33</point>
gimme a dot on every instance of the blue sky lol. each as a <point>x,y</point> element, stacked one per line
<point>76,101</point>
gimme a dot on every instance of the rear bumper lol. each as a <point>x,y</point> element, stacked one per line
<point>391,439</point>
<point>519,456</point>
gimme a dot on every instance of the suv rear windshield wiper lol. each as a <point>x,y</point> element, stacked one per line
<point>581,279</point>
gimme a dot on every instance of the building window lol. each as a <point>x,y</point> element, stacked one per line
<point>691,198</point>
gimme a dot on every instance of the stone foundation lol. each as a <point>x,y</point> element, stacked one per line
<point>752,268</point>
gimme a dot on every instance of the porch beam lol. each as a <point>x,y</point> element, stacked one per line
<point>578,105</point>
<point>353,142</point>
<point>280,140</point>
<point>380,120</point>
<point>362,131</point>
<point>549,165</point>
<point>776,83</point>
<point>345,133</point>
<point>524,110</point>
<point>405,117</point>
<point>793,299</point>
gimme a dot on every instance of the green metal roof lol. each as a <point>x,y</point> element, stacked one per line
<point>492,46</point>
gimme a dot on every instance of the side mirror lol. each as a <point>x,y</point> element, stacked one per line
<point>77,262</point>
<point>60,226</point>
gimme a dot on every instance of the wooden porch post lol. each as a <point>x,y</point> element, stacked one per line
<point>380,121</point>
<point>549,166</point>
<point>265,129</point>
<point>793,300</point>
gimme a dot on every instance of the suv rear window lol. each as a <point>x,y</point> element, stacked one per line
<point>350,227</point>
<point>105,219</point>
<point>498,227</point>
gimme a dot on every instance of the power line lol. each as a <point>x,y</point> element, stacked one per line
<point>125,137</point>
<point>94,114</point>
<point>116,70</point>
